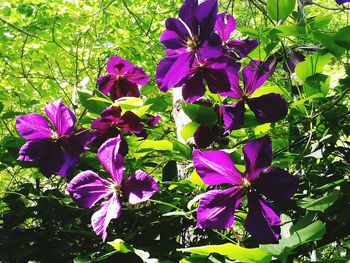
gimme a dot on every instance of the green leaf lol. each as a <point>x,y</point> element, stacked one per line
<point>319,22</point>
<point>162,145</point>
<point>342,37</point>
<point>312,232</point>
<point>182,149</point>
<point>313,64</point>
<point>201,114</point>
<point>318,83</point>
<point>121,246</point>
<point>327,40</point>
<point>280,9</point>
<point>287,30</point>
<point>320,204</point>
<point>188,130</point>
<point>92,105</point>
<point>82,259</point>
<point>231,251</point>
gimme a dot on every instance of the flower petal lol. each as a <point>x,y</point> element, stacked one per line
<point>217,207</point>
<point>52,159</point>
<point>130,122</point>
<point>62,117</point>
<point>33,127</point>
<point>172,70</point>
<point>187,14</point>
<point>233,115</point>
<point>33,151</point>
<point>268,108</point>
<point>241,48</point>
<point>122,87</point>
<point>112,160</point>
<point>293,60</point>
<point>253,76</point>
<point>69,162</point>
<point>139,187</point>
<point>225,24</point>
<point>109,210</point>
<point>263,221</point>
<point>216,167</point>
<point>206,14</point>
<point>137,75</point>
<point>276,184</point>
<point>175,35</point>
<point>118,66</point>
<point>87,188</point>
<point>341,2</point>
<point>257,156</point>
<point>204,136</point>
<point>193,88</point>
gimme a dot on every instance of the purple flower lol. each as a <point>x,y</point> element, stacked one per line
<point>217,207</point>
<point>292,61</point>
<point>122,79</point>
<point>56,149</point>
<point>87,188</point>
<point>112,122</point>
<point>341,2</point>
<point>267,108</point>
<point>184,38</point>
<point>225,24</point>
<point>220,74</point>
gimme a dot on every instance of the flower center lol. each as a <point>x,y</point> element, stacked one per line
<point>245,183</point>
<point>192,43</point>
<point>116,188</point>
<point>54,136</point>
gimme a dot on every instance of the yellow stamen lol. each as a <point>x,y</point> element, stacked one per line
<point>245,183</point>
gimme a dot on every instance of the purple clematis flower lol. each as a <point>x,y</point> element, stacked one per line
<point>56,149</point>
<point>87,188</point>
<point>184,38</point>
<point>237,49</point>
<point>122,80</point>
<point>267,108</point>
<point>217,207</point>
<point>112,122</point>
<point>341,2</point>
<point>292,61</point>
<point>219,74</point>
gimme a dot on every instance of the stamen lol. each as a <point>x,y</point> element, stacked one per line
<point>245,183</point>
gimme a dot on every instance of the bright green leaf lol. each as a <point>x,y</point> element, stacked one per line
<point>201,114</point>
<point>188,130</point>
<point>320,204</point>
<point>280,9</point>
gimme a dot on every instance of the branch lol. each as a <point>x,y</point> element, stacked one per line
<point>17,28</point>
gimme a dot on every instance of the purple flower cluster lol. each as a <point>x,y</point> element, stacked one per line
<point>217,207</point>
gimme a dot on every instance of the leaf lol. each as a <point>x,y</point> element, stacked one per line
<point>319,22</point>
<point>327,40</point>
<point>129,103</point>
<point>175,213</point>
<point>342,38</point>
<point>197,180</point>
<point>313,64</point>
<point>280,9</point>
<point>91,104</point>
<point>188,130</point>
<point>201,114</point>
<point>267,89</point>
<point>320,204</point>
<point>123,247</point>
<point>231,251</point>
<point>312,232</point>
<point>318,83</point>
<point>162,145</point>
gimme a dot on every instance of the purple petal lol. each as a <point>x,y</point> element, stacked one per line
<point>52,159</point>
<point>108,117</point>
<point>187,14</point>
<point>269,66</point>
<point>112,160</point>
<point>194,88</point>
<point>139,187</point>
<point>109,210</point>
<point>153,120</point>
<point>217,207</point>
<point>241,48</point>
<point>175,35</point>
<point>62,117</point>
<point>225,24</point>
<point>105,83</point>
<point>172,70</point>
<point>33,151</point>
<point>233,115</point>
<point>253,76</point>
<point>130,122</point>
<point>206,14</point>
<point>216,167</point>
<point>269,108</point>
<point>204,136</point>
<point>257,156</point>
<point>276,184</point>
<point>137,75</point>
<point>78,143</point>
<point>341,2</point>
<point>122,87</point>
<point>118,66</point>
<point>87,188</point>
<point>263,221</point>
<point>69,162</point>
<point>33,127</point>
<point>292,61</point>
<point>208,51</point>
